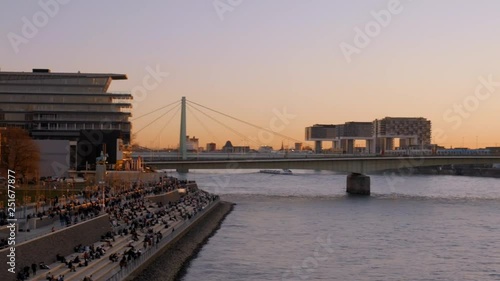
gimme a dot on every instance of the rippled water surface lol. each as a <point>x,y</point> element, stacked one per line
<point>304,227</point>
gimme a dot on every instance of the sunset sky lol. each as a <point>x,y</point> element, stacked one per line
<point>252,58</point>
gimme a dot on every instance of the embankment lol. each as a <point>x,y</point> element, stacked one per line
<point>45,247</point>
<point>171,263</point>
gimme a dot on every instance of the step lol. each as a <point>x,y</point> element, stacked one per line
<point>103,261</point>
<point>106,271</point>
<point>59,268</point>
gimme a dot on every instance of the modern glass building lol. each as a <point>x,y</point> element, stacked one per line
<point>60,106</point>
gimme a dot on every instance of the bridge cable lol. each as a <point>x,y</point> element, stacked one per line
<point>168,122</point>
<point>178,102</point>
<point>155,120</point>
<point>227,127</point>
<point>245,122</point>
<point>201,123</point>
<point>217,121</point>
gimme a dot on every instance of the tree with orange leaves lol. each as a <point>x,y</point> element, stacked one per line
<point>19,152</point>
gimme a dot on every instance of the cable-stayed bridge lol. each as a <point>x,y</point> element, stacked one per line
<point>356,165</point>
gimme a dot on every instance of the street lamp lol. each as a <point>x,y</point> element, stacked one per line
<point>103,195</point>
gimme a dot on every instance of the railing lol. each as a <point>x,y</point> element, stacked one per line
<point>118,93</point>
<point>123,272</point>
<point>157,156</point>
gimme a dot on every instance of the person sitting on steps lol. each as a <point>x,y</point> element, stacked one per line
<point>42,265</point>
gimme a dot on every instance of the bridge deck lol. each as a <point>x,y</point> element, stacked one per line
<point>342,164</point>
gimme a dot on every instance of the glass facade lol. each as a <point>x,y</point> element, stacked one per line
<point>59,105</point>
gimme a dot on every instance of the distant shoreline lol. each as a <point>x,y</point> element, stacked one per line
<point>457,171</point>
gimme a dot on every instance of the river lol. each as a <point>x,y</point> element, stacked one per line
<point>304,227</point>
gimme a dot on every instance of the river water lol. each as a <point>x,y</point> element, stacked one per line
<point>304,227</point>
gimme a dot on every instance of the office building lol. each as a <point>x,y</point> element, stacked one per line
<point>63,106</point>
<point>412,132</point>
<point>379,135</point>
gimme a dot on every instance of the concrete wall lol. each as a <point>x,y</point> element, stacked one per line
<point>33,223</point>
<point>172,196</point>
<point>46,247</point>
<point>36,222</point>
<point>54,157</point>
<point>45,221</point>
<point>192,186</point>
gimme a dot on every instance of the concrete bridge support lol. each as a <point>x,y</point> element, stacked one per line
<point>389,143</point>
<point>182,170</point>
<point>370,146</point>
<point>336,144</point>
<point>318,147</point>
<point>358,184</point>
<point>350,146</point>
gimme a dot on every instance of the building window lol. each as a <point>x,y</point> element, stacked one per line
<point>48,116</point>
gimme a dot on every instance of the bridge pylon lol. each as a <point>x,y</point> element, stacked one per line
<point>183,135</point>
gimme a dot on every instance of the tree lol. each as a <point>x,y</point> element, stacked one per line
<point>19,152</point>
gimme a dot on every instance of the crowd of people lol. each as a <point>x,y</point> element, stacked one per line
<point>131,214</point>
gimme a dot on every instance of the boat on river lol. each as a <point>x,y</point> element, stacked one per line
<point>277,172</point>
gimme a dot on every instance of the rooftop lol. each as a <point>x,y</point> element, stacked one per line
<point>47,74</point>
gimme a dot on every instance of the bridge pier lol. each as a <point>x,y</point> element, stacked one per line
<point>358,184</point>
<point>318,147</point>
<point>182,170</point>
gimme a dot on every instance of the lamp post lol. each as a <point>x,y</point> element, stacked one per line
<point>376,136</point>
<point>103,195</point>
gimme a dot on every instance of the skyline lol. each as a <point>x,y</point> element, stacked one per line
<point>251,59</point>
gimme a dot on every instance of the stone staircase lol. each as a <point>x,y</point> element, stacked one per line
<point>103,268</point>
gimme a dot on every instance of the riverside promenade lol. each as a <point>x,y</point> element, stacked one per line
<point>126,238</point>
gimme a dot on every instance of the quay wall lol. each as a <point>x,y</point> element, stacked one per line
<point>170,263</point>
<point>176,248</point>
<point>179,246</point>
<point>459,171</point>
<point>62,241</point>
